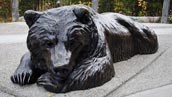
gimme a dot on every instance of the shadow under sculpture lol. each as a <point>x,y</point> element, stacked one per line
<point>74,48</point>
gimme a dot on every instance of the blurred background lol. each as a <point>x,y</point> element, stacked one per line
<point>141,10</point>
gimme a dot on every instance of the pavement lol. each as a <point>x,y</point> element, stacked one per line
<point>140,76</point>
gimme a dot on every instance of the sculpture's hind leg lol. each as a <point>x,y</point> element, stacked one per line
<point>145,40</point>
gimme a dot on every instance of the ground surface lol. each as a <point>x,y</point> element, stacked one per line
<point>140,76</point>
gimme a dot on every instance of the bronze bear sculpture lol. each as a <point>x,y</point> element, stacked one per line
<point>74,48</point>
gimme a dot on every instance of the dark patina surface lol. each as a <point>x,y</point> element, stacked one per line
<point>74,48</point>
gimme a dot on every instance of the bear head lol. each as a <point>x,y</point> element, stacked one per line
<point>61,36</point>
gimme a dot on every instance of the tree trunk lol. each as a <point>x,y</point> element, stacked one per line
<point>165,10</point>
<point>15,10</point>
<point>95,4</point>
<point>59,3</point>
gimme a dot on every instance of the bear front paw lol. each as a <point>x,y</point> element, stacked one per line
<point>50,82</point>
<point>22,77</point>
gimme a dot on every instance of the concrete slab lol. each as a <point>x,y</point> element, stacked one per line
<point>22,28</point>
<point>16,38</point>
<point>165,91</point>
<point>13,28</point>
<point>158,25</point>
<point>156,75</point>
<point>5,95</point>
<point>10,55</point>
<point>159,28</point>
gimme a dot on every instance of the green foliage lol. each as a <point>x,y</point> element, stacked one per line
<point>106,6</point>
<point>47,4</point>
<point>127,7</point>
<point>132,7</point>
<point>170,19</point>
<point>142,6</point>
<point>154,7</point>
<point>124,6</point>
<point>70,2</point>
<point>5,11</point>
<point>36,5</point>
<point>25,5</point>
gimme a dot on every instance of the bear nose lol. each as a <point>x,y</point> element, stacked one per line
<point>62,59</point>
<point>60,55</point>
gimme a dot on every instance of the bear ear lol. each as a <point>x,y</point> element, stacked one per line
<point>31,16</point>
<point>82,15</point>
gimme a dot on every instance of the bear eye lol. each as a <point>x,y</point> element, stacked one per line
<point>75,39</point>
<point>48,44</point>
<point>72,42</point>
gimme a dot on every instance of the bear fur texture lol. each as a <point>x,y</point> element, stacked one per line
<point>74,48</point>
